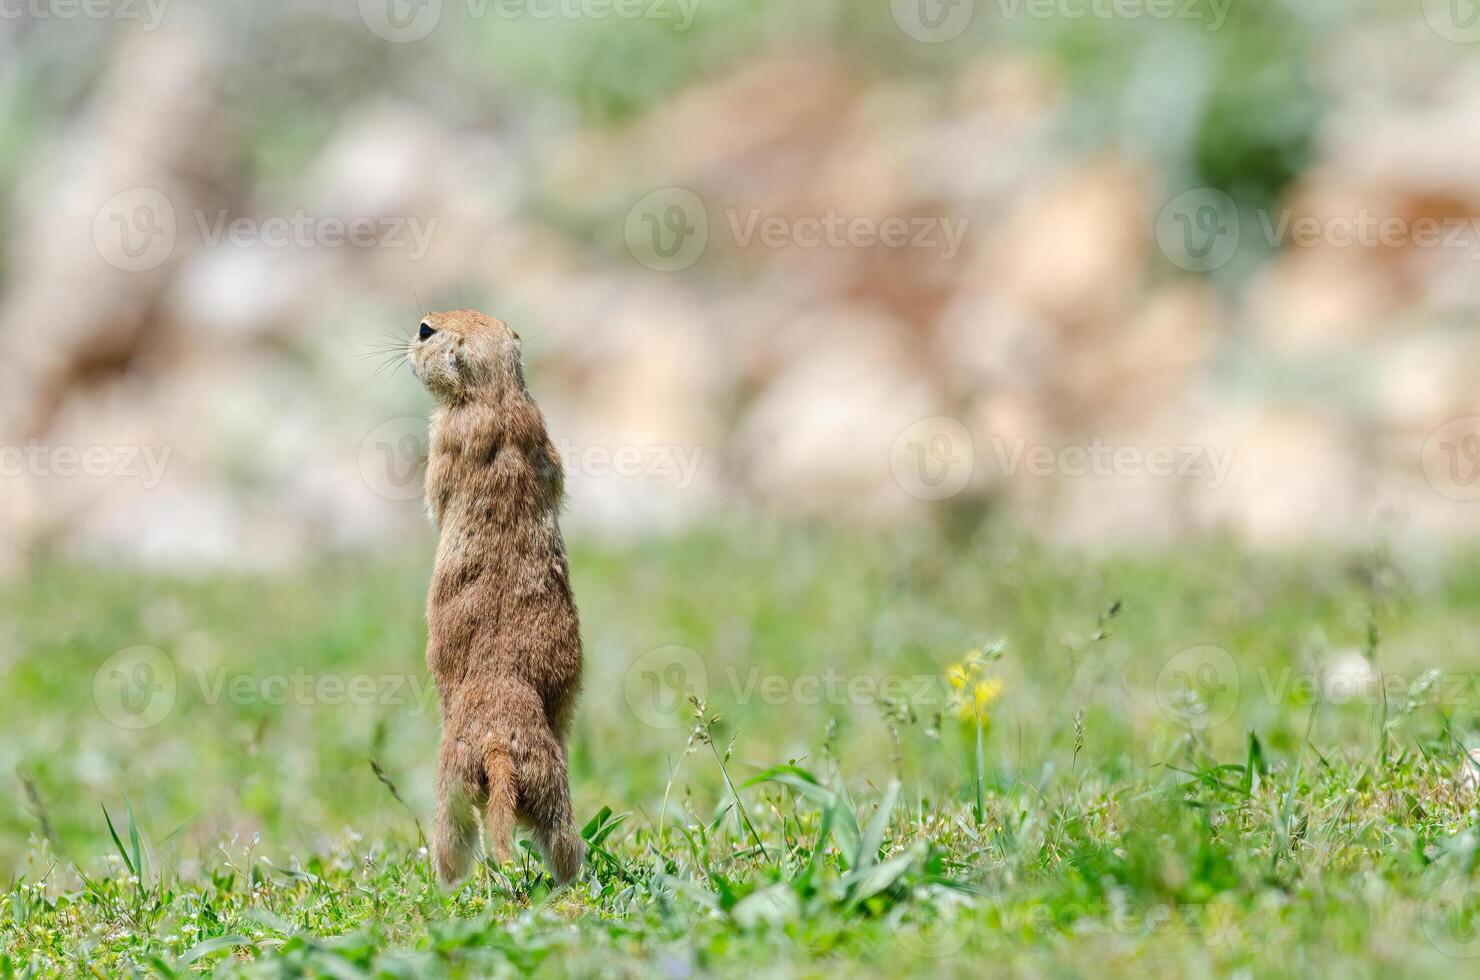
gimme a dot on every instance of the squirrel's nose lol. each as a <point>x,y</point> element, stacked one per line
<point>426,331</point>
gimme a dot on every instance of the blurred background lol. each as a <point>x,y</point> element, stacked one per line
<point>1121,271</point>
<point>807,290</point>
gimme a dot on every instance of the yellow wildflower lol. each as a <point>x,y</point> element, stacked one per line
<point>970,691</point>
<point>982,694</point>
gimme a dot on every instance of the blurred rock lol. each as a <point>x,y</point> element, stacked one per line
<point>777,375</point>
<point>830,420</point>
<point>1296,475</point>
<point>1075,252</point>
<point>99,238</point>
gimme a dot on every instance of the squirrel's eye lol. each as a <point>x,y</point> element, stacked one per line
<point>426,331</point>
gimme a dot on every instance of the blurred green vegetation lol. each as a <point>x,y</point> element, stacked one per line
<point>773,601</point>
<point>263,826</point>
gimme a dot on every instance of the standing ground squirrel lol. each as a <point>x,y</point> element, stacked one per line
<point>504,642</point>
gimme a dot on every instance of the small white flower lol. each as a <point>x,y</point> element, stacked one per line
<point>1349,677</point>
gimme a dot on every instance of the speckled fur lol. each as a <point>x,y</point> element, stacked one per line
<point>504,643</point>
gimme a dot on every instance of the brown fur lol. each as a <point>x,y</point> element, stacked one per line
<point>504,644</point>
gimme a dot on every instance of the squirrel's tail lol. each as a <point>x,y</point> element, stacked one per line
<point>503,794</point>
<point>527,780</point>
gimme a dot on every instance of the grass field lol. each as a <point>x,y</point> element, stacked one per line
<point>1176,763</point>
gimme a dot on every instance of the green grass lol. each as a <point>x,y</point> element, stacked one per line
<point>1131,811</point>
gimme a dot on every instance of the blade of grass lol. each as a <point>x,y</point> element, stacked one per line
<point>118,842</point>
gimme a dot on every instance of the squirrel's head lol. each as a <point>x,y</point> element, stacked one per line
<point>465,354</point>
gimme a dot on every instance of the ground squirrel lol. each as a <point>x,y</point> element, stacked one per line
<point>504,644</point>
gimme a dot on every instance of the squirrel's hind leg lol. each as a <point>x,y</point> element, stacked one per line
<point>459,798</point>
